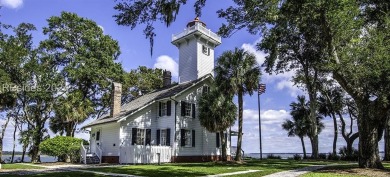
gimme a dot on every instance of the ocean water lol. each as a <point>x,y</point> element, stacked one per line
<point>44,158</point>
<point>286,155</point>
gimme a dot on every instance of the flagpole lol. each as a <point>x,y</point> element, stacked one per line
<point>261,90</point>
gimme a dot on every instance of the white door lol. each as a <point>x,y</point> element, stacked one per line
<point>95,140</point>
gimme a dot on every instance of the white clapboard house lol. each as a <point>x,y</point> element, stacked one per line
<point>162,125</point>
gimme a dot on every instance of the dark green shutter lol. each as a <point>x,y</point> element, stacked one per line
<point>148,136</point>
<point>183,108</point>
<point>168,108</point>
<point>193,138</point>
<point>158,137</point>
<point>217,138</point>
<point>193,110</point>
<point>159,109</point>
<point>134,136</point>
<point>182,137</point>
<point>168,137</point>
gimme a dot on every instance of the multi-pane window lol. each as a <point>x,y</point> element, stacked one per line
<point>188,109</point>
<point>163,137</point>
<point>163,109</point>
<point>140,136</point>
<point>205,50</point>
<point>188,138</point>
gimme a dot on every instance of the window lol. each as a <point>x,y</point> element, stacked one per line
<point>205,89</point>
<point>187,109</point>
<point>98,136</point>
<point>187,138</point>
<point>141,136</point>
<point>164,137</point>
<point>164,109</point>
<point>205,50</point>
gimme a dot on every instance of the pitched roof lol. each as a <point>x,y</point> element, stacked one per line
<point>146,99</point>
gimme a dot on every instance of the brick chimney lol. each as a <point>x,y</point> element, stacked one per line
<point>167,78</point>
<point>116,99</point>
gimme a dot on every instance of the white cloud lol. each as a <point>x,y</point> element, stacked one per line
<point>13,4</point>
<point>267,116</point>
<point>101,27</point>
<point>166,62</point>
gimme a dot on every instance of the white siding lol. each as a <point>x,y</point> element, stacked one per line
<point>188,61</point>
<point>205,142</point>
<point>205,62</point>
<point>109,139</point>
<point>166,122</point>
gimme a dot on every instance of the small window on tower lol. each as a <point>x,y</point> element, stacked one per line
<point>205,50</point>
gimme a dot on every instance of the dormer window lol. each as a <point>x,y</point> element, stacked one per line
<point>205,50</point>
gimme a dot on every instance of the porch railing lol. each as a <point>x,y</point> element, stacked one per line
<point>83,152</point>
<point>99,153</point>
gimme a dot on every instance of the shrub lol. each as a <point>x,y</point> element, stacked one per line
<point>64,147</point>
<point>322,156</point>
<point>333,157</point>
<point>272,156</point>
<point>351,157</point>
<point>297,157</point>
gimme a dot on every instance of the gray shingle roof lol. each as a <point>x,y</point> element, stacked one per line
<point>144,100</point>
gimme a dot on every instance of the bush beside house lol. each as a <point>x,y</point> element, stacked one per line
<point>66,148</point>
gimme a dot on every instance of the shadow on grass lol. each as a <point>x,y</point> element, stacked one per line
<point>46,173</point>
<point>353,170</point>
<point>161,171</point>
<point>207,168</point>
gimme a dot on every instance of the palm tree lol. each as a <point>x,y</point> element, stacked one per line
<point>25,141</point>
<point>237,73</point>
<point>301,124</point>
<point>217,113</point>
<point>297,127</point>
<point>70,111</point>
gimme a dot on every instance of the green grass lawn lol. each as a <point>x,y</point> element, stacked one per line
<point>18,166</point>
<point>347,171</point>
<point>56,174</point>
<point>210,168</point>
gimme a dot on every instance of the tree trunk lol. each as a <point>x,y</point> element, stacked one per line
<point>335,128</point>
<point>303,148</point>
<point>368,137</point>
<point>314,147</point>
<point>14,143</point>
<point>314,127</point>
<point>23,153</point>
<point>223,142</point>
<point>1,138</point>
<point>239,138</point>
<point>387,140</point>
<point>37,138</point>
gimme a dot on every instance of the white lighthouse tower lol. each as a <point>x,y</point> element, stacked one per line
<point>196,50</point>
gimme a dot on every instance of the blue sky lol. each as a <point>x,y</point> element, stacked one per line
<point>135,52</point>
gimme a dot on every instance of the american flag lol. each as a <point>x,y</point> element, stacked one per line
<point>261,88</point>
